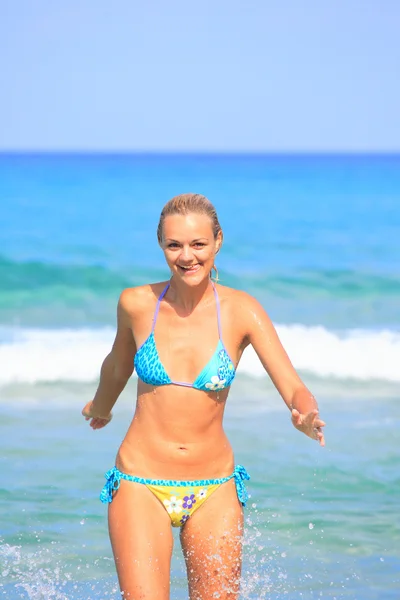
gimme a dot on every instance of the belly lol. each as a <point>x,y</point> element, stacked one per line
<point>176,436</point>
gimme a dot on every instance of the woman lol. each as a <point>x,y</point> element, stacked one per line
<point>175,466</point>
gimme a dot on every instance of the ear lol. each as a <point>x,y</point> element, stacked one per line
<point>218,242</point>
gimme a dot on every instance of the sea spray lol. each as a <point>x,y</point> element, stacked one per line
<point>47,574</point>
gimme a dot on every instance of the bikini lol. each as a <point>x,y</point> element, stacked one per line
<point>181,498</point>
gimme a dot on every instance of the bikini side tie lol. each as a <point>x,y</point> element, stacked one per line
<point>113,482</point>
<point>241,475</point>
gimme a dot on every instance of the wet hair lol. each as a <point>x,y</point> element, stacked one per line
<point>185,204</point>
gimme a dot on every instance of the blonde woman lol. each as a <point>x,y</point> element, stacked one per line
<point>175,466</point>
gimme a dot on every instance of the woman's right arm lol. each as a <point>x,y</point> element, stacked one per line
<point>116,369</point>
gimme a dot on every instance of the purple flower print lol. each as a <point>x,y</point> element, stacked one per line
<point>188,501</point>
<point>184,519</point>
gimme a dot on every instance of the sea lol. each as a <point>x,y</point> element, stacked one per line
<point>316,239</point>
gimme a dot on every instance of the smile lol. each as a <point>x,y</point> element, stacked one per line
<point>190,269</point>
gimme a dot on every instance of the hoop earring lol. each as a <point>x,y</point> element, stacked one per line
<point>216,276</point>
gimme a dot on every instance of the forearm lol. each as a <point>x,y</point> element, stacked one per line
<point>303,401</point>
<point>110,387</point>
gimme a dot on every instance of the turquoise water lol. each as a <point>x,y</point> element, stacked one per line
<point>316,240</point>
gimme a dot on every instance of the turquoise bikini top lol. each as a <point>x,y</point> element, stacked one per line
<point>218,373</point>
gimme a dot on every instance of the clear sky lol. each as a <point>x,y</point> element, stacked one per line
<point>211,75</point>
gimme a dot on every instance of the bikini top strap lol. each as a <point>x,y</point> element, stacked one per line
<point>158,306</point>
<point>218,311</point>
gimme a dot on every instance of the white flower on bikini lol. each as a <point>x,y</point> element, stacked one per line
<point>216,383</point>
<point>202,494</point>
<point>174,505</point>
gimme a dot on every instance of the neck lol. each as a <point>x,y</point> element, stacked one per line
<point>187,297</point>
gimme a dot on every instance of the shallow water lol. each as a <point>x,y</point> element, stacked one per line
<point>319,520</point>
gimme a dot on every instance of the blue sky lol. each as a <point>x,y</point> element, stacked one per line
<point>216,75</point>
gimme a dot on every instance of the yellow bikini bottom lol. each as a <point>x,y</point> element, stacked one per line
<point>179,498</point>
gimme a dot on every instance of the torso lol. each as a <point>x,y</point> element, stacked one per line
<point>177,431</point>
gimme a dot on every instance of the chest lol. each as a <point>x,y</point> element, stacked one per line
<point>190,340</point>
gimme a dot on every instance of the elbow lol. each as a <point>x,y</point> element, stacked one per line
<point>120,371</point>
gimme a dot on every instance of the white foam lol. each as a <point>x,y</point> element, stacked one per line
<point>36,355</point>
<point>355,354</point>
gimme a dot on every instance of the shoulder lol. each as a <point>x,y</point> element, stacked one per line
<point>238,300</point>
<point>136,300</point>
<point>243,309</point>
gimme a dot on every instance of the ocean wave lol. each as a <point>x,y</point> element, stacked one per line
<point>40,355</point>
<point>18,277</point>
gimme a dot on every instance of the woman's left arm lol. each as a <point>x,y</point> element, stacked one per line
<point>261,334</point>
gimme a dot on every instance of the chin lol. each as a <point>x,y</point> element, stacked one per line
<point>193,279</point>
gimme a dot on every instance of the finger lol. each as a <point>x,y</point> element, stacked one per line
<point>318,435</point>
<point>311,416</point>
<point>311,420</point>
<point>296,422</point>
<point>98,423</point>
<point>296,417</point>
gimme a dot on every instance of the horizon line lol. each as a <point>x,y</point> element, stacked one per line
<point>132,152</point>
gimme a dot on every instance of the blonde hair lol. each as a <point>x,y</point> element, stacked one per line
<point>189,203</point>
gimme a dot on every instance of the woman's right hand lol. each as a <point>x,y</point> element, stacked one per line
<point>95,421</point>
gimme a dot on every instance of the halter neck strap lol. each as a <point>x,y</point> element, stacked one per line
<point>158,306</point>
<point>218,311</point>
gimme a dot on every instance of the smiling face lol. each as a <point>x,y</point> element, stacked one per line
<point>189,246</point>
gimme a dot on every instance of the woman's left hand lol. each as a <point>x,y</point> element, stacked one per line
<point>95,422</point>
<point>310,424</point>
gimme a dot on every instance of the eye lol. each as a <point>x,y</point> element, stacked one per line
<point>199,244</point>
<point>173,245</point>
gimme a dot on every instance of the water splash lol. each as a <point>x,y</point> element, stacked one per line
<point>262,574</point>
<point>43,575</point>
<point>31,576</point>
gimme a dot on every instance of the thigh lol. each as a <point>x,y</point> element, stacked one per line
<point>141,539</point>
<point>212,546</point>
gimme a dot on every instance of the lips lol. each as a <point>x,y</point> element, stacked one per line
<point>189,269</point>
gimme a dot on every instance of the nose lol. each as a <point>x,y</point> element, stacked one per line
<point>187,253</point>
